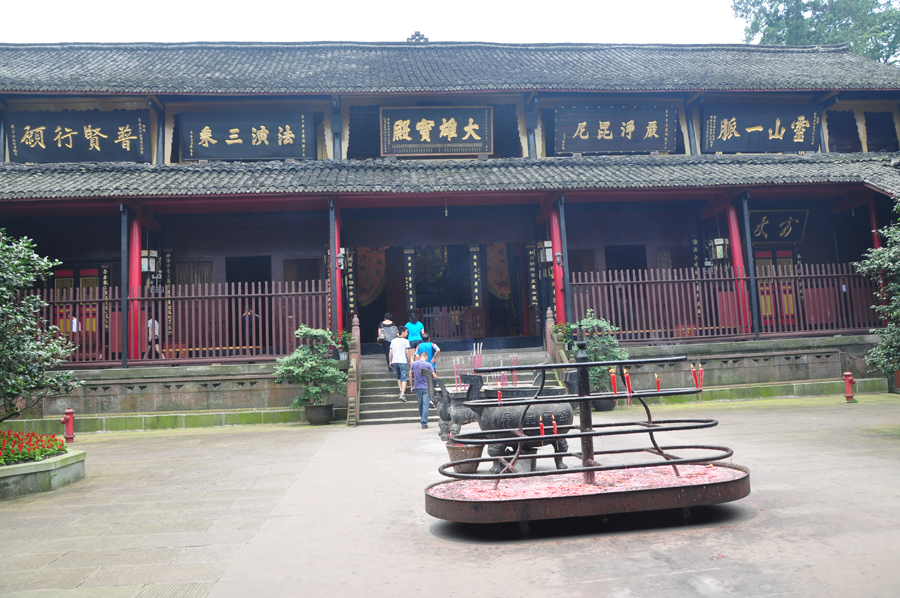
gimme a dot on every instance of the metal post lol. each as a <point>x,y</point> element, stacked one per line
<point>531,122</point>
<point>332,265</point>
<point>123,292</point>
<point>751,266</point>
<point>337,126</point>
<point>567,289</point>
<point>2,136</point>
<point>160,131</point>
<point>585,423</point>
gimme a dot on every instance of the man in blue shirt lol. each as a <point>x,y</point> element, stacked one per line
<point>428,348</point>
<point>419,380</point>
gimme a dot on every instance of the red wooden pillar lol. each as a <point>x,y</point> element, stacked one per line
<point>558,275</point>
<point>737,261</point>
<point>339,274</point>
<point>734,238</point>
<point>135,329</point>
<point>873,224</point>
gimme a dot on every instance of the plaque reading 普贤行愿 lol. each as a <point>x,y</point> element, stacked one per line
<point>759,128</point>
<point>247,135</point>
<point>615,129</point>
<point>79,136</point>
<point>436,130</point>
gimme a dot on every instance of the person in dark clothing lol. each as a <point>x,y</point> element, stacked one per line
<point>387,331</point>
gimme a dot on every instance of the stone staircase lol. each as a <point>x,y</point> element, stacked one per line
<point>379,402</point>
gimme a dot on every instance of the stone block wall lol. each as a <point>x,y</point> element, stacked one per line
<point>177,389</point>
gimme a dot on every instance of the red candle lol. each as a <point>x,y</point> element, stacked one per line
<point>612,377</point>
<point>701,375</point>
<point>499,397</point>
<point>694,373</point>
<point>554,423</point>
<point>541,424</point>
<point>657,382</point>
<point>627,382</point>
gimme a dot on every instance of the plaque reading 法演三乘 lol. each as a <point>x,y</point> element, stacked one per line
<point>247,135</point>
<point>436,130</point>
<point>759,128</point>
<point>615,129</point>
<point>79,136</point>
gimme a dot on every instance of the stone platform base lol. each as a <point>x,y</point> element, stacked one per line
<point>41,476</point>
<point>86,424</point>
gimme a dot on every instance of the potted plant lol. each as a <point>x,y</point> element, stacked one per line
<point>344,346</point>
<point>601,345</point>
<point>312,367</point>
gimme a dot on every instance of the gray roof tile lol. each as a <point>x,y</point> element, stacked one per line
<point>115,180</point>
<point>347,67</point>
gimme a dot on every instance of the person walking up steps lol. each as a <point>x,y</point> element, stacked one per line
<point>419,380</point>
<point>415,328</point>
<point>430,351</point>
<point>400,360</point>
<point>387,331</point>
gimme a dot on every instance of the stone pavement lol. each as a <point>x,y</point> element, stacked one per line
<point>289,510</point>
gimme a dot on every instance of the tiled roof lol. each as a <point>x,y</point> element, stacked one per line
<point>348,67</point>
<point>116,180</point>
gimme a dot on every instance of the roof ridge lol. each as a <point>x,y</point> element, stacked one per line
<point>425,46</point>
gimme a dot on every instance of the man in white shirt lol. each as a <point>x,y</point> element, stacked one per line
<point>399,360</point>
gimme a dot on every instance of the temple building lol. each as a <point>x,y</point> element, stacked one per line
<point>205,199</point>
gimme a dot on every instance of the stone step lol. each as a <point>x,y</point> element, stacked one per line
<point>414,419</point>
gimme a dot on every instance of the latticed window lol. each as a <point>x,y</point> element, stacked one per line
<point>581,260</point>
<point>194,273</point>
<point>304,270</point>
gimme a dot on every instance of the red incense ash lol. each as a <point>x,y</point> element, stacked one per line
<point>694,373</point>
<point>657,382</point>
<point>554,423</point>
<point>701,375</point>
<point>612,377</point>
<point>541,424</point>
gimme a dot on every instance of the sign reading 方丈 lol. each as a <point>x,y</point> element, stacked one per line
<point>247,135</point>
<point>615,129</point>
<point>432,131</point>
<point>777,226</point>
<point>79,136</point>
<point>759,128</point>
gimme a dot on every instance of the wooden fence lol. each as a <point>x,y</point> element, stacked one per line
<point>210,323</point>
<point>713,303</point>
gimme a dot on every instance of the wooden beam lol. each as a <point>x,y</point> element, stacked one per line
<point>850,201</point>
<point>547,207</point>
<point>715,207</point>
<point>143,215</point>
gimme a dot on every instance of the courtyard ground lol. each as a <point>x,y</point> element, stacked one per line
<point>290,510</point>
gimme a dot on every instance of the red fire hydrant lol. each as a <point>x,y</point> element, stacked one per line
<point>69,421</point>
<point>849,381</point>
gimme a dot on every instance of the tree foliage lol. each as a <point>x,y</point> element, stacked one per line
<point>882,265</point>
<point>870,27</point>
<point>312,367</point>
<point>30,350</point>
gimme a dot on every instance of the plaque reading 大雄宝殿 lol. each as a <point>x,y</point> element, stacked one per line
<point>436,130</point>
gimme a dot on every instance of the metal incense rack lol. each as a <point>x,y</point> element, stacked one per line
<point>602,483</point>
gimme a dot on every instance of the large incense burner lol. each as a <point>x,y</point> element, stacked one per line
<point>616,479</point>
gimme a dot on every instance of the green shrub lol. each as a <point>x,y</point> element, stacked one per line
<point>312,367</point>
<point>599,336</point>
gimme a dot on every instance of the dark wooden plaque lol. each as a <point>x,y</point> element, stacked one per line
<point>759,128</point>
<point>615,129</point>
<point>436,131</point>
<point>777,226</point>
<point>247,135</point>
<point>79,136</point>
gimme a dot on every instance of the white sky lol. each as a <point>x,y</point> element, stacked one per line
<point>597,21</point>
